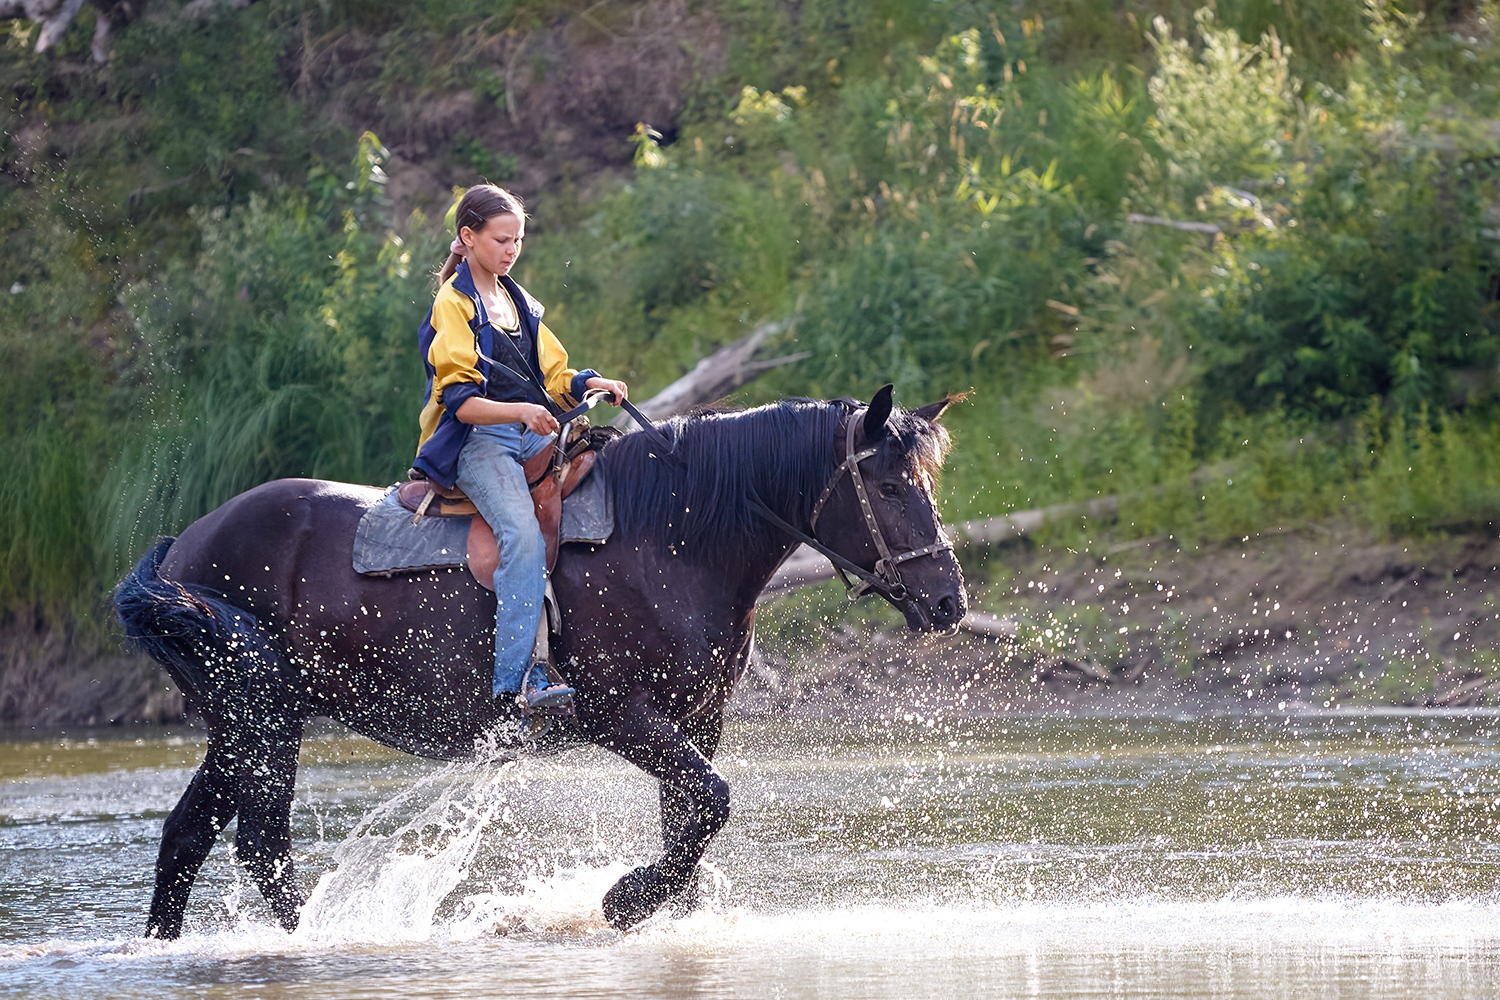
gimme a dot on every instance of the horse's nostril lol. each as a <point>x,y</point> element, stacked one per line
<point>948,607</point>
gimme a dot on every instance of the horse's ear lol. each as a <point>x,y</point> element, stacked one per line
<point>879,412</point>
<point>932,411</point>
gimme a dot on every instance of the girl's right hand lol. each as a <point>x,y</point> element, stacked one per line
<point>539,420</point>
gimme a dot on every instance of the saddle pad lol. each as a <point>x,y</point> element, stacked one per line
<point>386,542</point>
<point>588,513</point>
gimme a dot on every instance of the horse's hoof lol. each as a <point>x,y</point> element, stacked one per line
<point>289,918</point>
<point>634,898</point>
<point>164,931</point>
<point>534,727</point>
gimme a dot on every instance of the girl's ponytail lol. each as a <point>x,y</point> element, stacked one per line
<point>456,253</point>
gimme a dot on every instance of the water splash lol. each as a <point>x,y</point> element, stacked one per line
<point>401,874</point>
<point>562,907</point>
<point>390,875</point>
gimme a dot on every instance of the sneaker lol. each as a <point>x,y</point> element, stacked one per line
<point>547,695</point>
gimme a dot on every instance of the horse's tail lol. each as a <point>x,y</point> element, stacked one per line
<point>190,630</point>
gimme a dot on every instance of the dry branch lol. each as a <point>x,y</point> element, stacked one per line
<point>715,377</point>
<point>1187,227</point>
<point>805,566</point>
<point>1049,667</point>
<point>990,626</point>
<point>54,16</point>
<point>1008,527</point>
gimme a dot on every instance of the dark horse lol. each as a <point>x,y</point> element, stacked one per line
<point>256,613</point>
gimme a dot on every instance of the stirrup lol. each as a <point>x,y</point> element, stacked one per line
<point>535,725</point>
<point>539,715</point>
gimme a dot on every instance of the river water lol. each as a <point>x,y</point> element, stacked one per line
<point>1343,855</point>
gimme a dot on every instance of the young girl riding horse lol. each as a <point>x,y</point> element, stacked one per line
<point>497,378</point>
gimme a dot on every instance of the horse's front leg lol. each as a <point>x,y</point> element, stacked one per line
<point>677,810</point>
<point>695,804</point>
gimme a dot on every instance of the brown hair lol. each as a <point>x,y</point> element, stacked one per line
<point>479,205</point>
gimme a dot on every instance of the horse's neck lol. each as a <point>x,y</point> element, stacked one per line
<point>732,465</point>
<point>762,565</point>
<point>762,561</point>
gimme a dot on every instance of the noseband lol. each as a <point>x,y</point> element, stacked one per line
<point>886,579</point>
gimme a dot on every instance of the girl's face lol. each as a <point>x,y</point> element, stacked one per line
<point>495,245</point>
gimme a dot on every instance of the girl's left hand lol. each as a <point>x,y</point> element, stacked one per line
<point>618,390</point>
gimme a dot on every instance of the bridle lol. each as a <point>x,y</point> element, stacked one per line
<point>886,578</point>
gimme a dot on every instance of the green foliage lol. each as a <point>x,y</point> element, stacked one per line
<point>1364,270</point>
<point>55,394</point>
<point>940,195</point>
<point>288,350</point>
<point>1222,113</point>
<point>494,168</point>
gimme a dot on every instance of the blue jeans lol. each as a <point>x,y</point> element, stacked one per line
<point>489,471</point>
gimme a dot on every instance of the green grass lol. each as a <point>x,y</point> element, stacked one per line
<point>210,288</point>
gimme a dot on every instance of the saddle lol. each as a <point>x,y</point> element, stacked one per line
<point>551,475</point>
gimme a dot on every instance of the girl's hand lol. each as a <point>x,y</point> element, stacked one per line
<point>538,419</point>
<point>617,390</point>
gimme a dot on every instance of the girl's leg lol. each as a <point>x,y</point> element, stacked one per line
<point>489,471</point>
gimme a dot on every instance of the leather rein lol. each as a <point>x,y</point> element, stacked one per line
<point>886,578</point>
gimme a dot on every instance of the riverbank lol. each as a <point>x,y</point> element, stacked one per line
<point>45,683</point>
<point>1300,620</point>
<point>1303,620</point>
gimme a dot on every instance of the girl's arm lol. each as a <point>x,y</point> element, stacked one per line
<point>452,353</point>
<point>564,384</point>
<point>567,385</point>
<point>480,411</point>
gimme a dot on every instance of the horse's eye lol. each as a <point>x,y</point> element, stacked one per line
<point>891,490</point>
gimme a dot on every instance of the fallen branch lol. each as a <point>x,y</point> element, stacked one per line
<point>802,567</point>
<point>1187,227</point>
<point>1054,666</point>
<point>805,566</point>
<point>1008,527</point>
<point>715,377</point>
<point>54,16</point>
<point>1468,693</point>
<point>989,626</point>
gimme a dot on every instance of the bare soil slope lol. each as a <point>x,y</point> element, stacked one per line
<point>1306,620</point>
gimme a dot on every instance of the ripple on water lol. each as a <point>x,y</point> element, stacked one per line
<point>1167,859</point>
<point>552,942</point>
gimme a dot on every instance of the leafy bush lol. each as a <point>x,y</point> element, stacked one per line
<point>941,196</point>
<point>289,349</point>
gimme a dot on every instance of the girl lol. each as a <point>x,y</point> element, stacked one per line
<point>496,378</point>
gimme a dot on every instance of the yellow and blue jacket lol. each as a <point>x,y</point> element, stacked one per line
<point>466,356</point>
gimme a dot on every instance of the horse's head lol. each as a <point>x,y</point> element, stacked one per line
<point>885,518</point>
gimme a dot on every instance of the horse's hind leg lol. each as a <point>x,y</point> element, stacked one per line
<point>188,835</point>
<point>266,778</point>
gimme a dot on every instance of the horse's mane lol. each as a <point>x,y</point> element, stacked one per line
<point>698,500</point>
